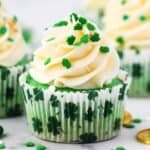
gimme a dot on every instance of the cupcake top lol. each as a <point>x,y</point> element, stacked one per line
<point>12,46</point>
<point>74,54</point>
<point>128,23</point>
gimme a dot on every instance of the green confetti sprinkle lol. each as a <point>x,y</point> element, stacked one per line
<point>125,17</point>
<point>82,20</point>
<point>1,131</point>
<point>123,2</point>
<point>50,39</point>
<point>40,147</point>
<point>15,18</point>
<point>120,40</point>
<point>137,120</point>
<point>66,63</point>
<point>73,16</point>
<point>104,49</point>
<point>2,146</point>
<point>47,61</point>
<point>78,26</point>
<point>27,34</point>
<point>90,26</point>
<point>3,30</point>
<point>143,18</point>
<point>10,39</point>
<point>95,37</point>
<point>84,39</point>
<point>120,148</point>
<point>71,39</point>
<point>130,126</point>
<point>61,23</point>
<point>29,144</point>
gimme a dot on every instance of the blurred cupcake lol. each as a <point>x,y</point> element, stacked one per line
<point>13,59</point>
<point>95,10</point>
<point>128,25</point>
<point>74,91</point>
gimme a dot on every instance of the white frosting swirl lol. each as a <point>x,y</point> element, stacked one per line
<point>90,67</point>
<point>130,20</point>
<point>12,46</point>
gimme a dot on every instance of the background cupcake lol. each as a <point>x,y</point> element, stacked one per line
<point>128,24</point>
<point>75,91</point>
<point>95,10</point>
<point>13,59</point>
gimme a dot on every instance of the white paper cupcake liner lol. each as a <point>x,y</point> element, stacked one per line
<point>138,66</point>
<point>76,116</point>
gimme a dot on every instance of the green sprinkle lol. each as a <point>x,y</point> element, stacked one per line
<point>82,20</point>
<point>3,30</point>
<point>104,49</point>
<point>66,63</point>
<point>90,26</point>
<point>40,147</point>
<point>125,17</point>
<point>95,37</point>
<point>2,146</point>
<point>73,16</point>
<point>61,23</point>
<point>10,39</point>
<point>130,126</point>
<point>50,39</point>
<point>143,18</point>
<point>29,144</point>
<point>84,38</point>
<point>78,26</point>
<point>27,34</point>
<point>120,40</point>
<point>137,120</point>
<point>47,61</point>
<point>120,53</point>
<point>1,131</point>
<point>15,18</point>
<point>70,40</point>
<point>123,2</point>
<point>120,148</point>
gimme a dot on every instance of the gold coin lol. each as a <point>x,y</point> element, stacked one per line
<point>127,118</point>
<point>144,136</point>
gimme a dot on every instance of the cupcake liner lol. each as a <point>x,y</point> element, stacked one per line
<point>138,66</point>
<point>10,95</point>
<point>75,116</point>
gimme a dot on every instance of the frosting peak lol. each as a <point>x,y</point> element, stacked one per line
<point>74,54</point>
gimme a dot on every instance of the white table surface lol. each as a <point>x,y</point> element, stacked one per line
<point>17,132</point>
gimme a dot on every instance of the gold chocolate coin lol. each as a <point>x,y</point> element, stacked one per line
<point>144,136</point>
<point>127,118</point>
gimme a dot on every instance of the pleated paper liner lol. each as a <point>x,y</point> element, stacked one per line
<point>138,66</point>
<point>74,116</point>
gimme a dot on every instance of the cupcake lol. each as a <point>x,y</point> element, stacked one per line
<point>95,10</point>
<point>13,60</point>
<point>74,91</point>
<point>128,24</point>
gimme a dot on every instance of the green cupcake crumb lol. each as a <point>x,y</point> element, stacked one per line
<point>137,120</point>
<point>29,144</point>
<point>40,147</point>
<point>1,131</point>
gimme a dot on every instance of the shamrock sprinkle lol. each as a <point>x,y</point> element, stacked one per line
<point>61,23</point>
<point>90,26</point>
<point>125,17</point>
<point>95,37</point>
<point>142,18</point>
<point>47,61</point>
<point>73,16</point>
<point>10,39</point>
<point>29,144</point>
<point>84,38</point>
<point>66,63</point>
<point>82,20</point>
<point>120,40</point>
<point>3,30</point>
<point>71,39</point>
<point>104,49</point>
<point>40,147</point>
<point>78,26</point>
<point>50,39</point>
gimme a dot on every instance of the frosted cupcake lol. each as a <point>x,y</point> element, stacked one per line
<point>74,91</point>
<point>13,59</point>
<point>128,24</point>
<point>95,10</point>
